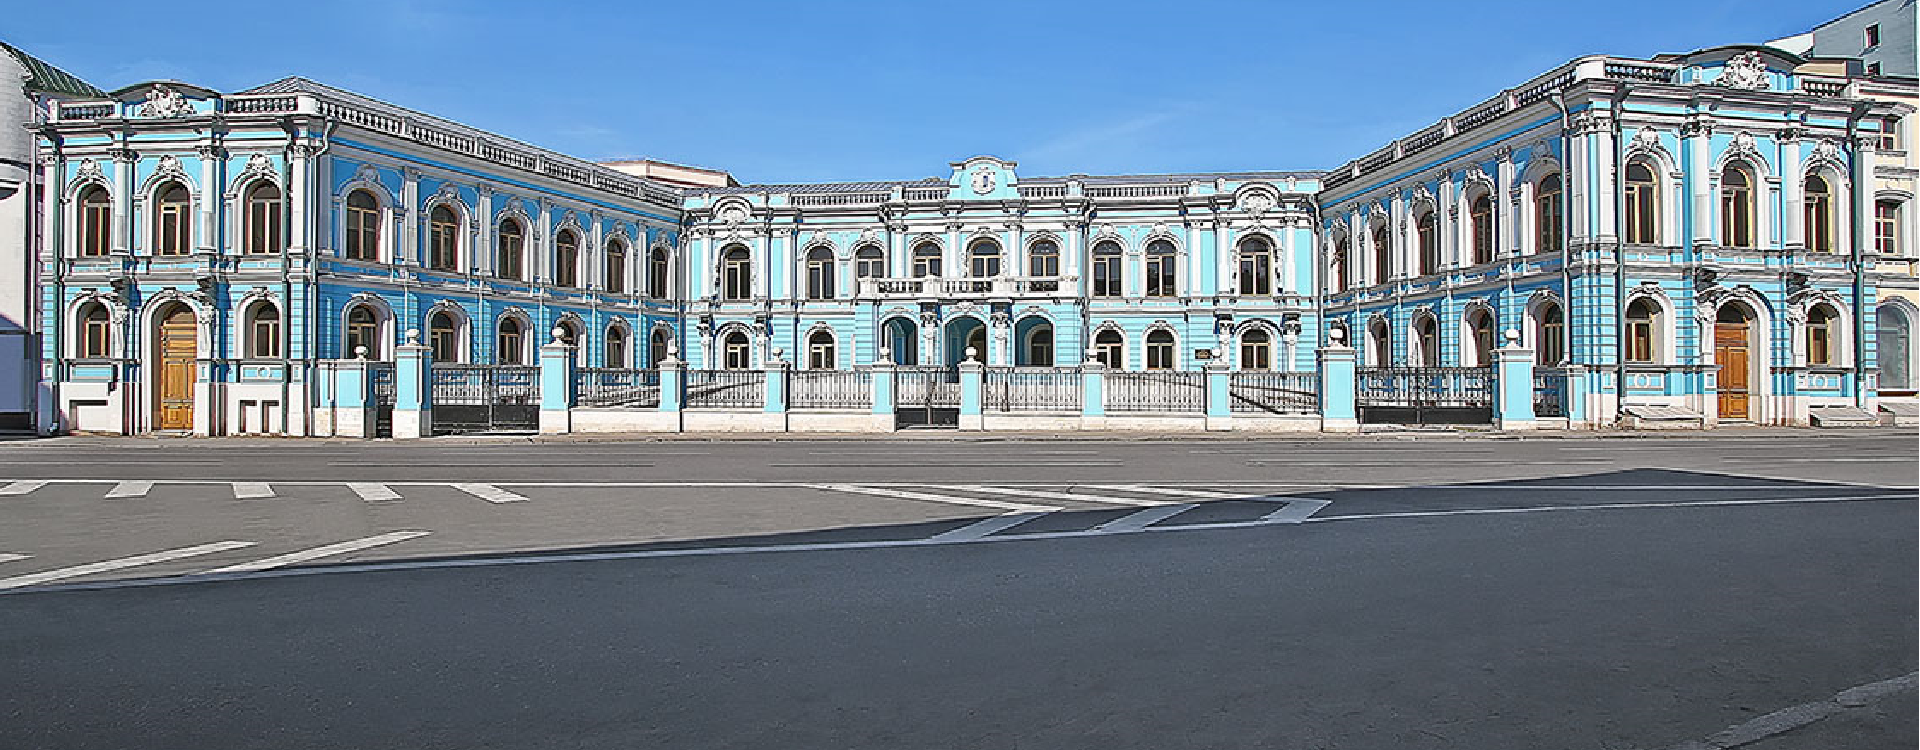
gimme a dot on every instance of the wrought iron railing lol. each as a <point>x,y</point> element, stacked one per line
<point>1427,386</point>
<point>1172,391</point>
<point>1549,392</point>
<point>1033,389</point>
<point>485,385</point>
<point>616,388</point>
<point>1256,392</point>
<point>830,389</point>
<point>726,389</point>
<point>382,376</point>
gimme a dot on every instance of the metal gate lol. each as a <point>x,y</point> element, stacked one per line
<point>926,396</point>
<point>1426,395</point>
<point>383,380</point>
<point>478,398</point>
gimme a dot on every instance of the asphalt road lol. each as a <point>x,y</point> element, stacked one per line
<point>1481,594</point>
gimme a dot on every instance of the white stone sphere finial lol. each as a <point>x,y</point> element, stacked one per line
<point>1336,335</point>
<point>413,337</point>
<point>559,334</point>
<point>359,352</point>
<point>972,353</point>
<point>673,348</point>
<point>1513,338</point>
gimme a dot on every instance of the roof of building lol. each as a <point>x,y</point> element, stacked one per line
<point>42,76</point>
<point>804,188</point>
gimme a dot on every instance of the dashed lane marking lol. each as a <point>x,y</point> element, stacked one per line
<point>1046,495</point>
<point>373,492</point>
<point>7,557</point>
<point>490,493</point>
<point>982,528</point>
<point>251,490</point>
<point>933,498</point>
<point>130,489</point>
<point>21,488</point>
<point>119,564</point>
<point>316,553</point>
<point>1142,519</point>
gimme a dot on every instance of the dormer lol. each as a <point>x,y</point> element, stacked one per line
<point>983,178</point>
<point>1745,67</point>
<point>165,99</point>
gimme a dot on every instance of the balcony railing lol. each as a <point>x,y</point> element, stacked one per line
<point>999,286</point>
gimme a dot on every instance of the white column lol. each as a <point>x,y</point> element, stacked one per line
<point>1447,211</point>
<point>123,161</point>
<point>1793,232</point>
<point>482,232</point>
<point>762,262</point>
<point>1509,229</point>
<point>1226,261</point>
<point>299,193</point>
<point>407,247</point>
<point>1399,230</point>
<point>211,193</point>
<point>1699,181</point>
<point>1190,258</point>
<point>1607,226</point>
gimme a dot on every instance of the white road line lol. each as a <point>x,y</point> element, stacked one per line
<point>980,529</point>
<point>7,557</point>
<point>130,489</point>
<point>373,492</point>
<point>1179,491</point>
<point>21,488</point>
<point>1296,510</point>
<point>1606,506</point>
<point>250,490</point>
<point>489,493</point>
<point>932,498</point>
<point>1142,519</point>
<point>316,553</point>
<point>118,564</point>
<point>1045,495</point>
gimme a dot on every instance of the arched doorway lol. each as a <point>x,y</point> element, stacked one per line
<point>901,337</point>
<point>1893,332</point>
<point>1733,352</point>
<point>176,345</point>
<point>963,333</point>
<point>1035,335</point>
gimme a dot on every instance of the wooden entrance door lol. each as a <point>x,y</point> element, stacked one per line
<point>173,389</point>
<point>1731,353</point>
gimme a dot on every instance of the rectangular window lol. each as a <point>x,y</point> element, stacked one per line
<point>1873,35</point>
<point>363,233</point>
<point>616,272</point>
<point>1886,228</point>
<point>1889,134</point>
<point>1160,275</point>
<point>738,280</point>
<point>1106,276</point>
<point>97,219</point>
<point>1255,355</point>
<point>97,339</point>
<point>266,336</point>
<point>1819,344</point>
<point>820,356</point>
<point>820,279</point>
<point>1639,341</point>
<point>739,356</point>
<point>172,232</point>
<point>1256,274</point>
<point>263,225</point>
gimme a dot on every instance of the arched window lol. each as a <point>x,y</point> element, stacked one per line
<point>1256,349</point>
<point>444,336</point>
<point>363,226</point>
<point>983,259</point>
<point>566,258</point>
<point>926,260</point>
<point>736,275</point>
<point>1040,346</point>
<point>1340,264</point>
<point>1480,325</point>
<point>263,219</point>
<point>511,254</point>
<point>657,268</point>
<point>95,332</point>
<point>737,351</point>
<point>1163,265</point>
<point>1382,254</point>
<point>1481,213</point>
<point>1549,206</point>
<point>1428,230</point>
<point>1107,277</point>
<point>1043,259</point>
<point>869,263</point>
<point>657,348</point>
<point>1642,222</point>
<point>363,330</point>
<point>1821,229</point>
<point>820,354</point>
<point>96,222</point>
<point>263,331</point>
<point>1820,341</point>
<point>569,333</point>
<point>1110,349</point>
<point>1553,335</point>
<point>1893,340</point>
<point>1379,343</point>
<point>616,281</point>
<point>508,344</point>
<point>1256,266</point>
<point>173,220</point>
<point>1426,334</point>
<point>1643,318</point>
<point>614,347</point>
<point>1886,228</point>
<point>820,273</point>
<point>1160,355</point>
<point>1736,206</point>
<point>443,239</point>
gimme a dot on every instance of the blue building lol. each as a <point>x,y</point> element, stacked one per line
<point>1719,236</point>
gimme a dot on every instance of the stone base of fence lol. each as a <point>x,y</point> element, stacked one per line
<point>626,420</point>
<point>839,421</point>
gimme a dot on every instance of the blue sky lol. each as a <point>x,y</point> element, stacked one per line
<point>823,90</point>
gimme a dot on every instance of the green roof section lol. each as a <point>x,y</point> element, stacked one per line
<point>44,77</point>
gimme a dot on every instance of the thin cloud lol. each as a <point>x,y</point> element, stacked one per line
<point>1122,141</point>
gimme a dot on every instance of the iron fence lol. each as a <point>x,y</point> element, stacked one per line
<point>1426,395</point>
<point>1033,389</point>
<point>382,375</point>
<point>830,389</point>
<point>616,388</point>
<point>926,396</point>
<point>726,389</point>
<point>1549,392</point>
<point>485,397</point>
<point>1273,392</point>
<point>1156,391</point>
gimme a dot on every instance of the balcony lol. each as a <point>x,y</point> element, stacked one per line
<point>964,288</point>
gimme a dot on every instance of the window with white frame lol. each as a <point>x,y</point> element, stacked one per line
<point>1110,349</point>
<point>1163,267</point>
<point>1256,266</point>
<point>1160,350</point>
<point>1820,226</point>
<point>1886,227</point>
<point>1043,259</point>
<point>736,275</point>
<point>1820,336</point>
<point>737,351</point>
<point>1107,275</point>
<point>1737,206</point>
<point>263,219</point>
<point>1549,208</point>
<point>566,259</point>
<point>658,287</point>
<point>510,255</point>
<point>263,331</point>
<point>363,330</point>
<point>1256,349</point>
<point>820,274</point>
<point>173,220</point>
<point>363,226</point>
<point>1480,225</point>
<point>510,342</point>
<point>95,332</point>
<point>869,263</point>
<point>1642,222</point>
<point>616,261</point>
<point>443,335</point>
<point>926,260</point>
<point>820,354</point>
<point>96,222</point>
<point>983,259</point>
<point>443,239</point>
<point>1643,321</point>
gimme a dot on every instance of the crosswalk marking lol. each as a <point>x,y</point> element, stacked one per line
<point>21,488</point>
<point>933,498</point>
<point>1296,510</point>
<point>1208,494</point>
<point>490,493</point>
<point>250,490</point>
<point>1143,519</point>
<point>982,528</point>
<point>130,489</point>
<point>119,564</point>
<point>1046,495</point>
<point>7,557</point>
<point>316,553</point>
<point>373,492</point>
